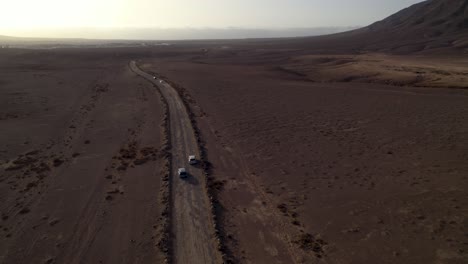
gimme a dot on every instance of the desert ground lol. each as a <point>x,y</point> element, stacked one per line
<point>321,168</point>
<point>82,159</point>
<point>308,165</point>
<point>342,149</point>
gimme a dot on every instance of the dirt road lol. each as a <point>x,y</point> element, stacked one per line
<point>192,226</point>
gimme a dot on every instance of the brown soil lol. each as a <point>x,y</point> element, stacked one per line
<point>341,172</point>
<point>420,71</point>
<point>81,159</point>
<point>318,150</point>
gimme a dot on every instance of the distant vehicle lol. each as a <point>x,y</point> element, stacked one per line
<point>192,160</point>
<point>182,173</point>
<point>160,81</point>
<point>154,77</point>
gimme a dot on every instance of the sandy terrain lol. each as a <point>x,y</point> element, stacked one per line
<point>419,71</point>
<point>335,149</point>
<point>80,152</point>
<point>329,172</point>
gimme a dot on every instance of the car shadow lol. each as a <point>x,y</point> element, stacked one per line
<point>192,180</point>
<point>196,165</point>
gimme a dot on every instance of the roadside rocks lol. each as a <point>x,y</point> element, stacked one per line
<point>310,243</point>
<point>213,186</point>
<point>164,241</point>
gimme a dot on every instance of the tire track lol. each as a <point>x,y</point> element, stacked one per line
<point>193,233</point>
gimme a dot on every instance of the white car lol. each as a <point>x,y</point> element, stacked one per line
<point>192,160</point>
<point>154,77</point>
<point>182,173</point>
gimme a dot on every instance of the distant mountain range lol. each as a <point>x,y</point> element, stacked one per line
<point>430,26</point>
<point>178,33</point>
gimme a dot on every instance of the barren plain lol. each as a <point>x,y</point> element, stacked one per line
<point>82,159</point>
<point>349,148</point>
<point>317,169</point>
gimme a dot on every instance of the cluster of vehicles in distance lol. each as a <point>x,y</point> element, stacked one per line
<point>182,171</point>
<point>160,81</point>
<point>191,159</point>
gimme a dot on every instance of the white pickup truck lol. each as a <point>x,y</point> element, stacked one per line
<point>182,173</point>
<point>192,160</point>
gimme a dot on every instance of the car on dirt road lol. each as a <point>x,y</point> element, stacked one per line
<point>182,173</point>
<point>192,160</point>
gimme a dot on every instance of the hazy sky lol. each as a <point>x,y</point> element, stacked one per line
<point>17,14</point>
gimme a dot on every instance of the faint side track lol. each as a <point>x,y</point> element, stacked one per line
<point>98,173</point>
<point>164,230</point>
<point>192,226</point>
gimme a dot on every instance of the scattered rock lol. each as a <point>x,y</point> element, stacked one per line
<point>40,168</point>
<point>30,186</point>
<point>122,167</point>
<point>58,162</point>
<point>296,222</point>
<point>283,208</point>
<point>114,191</point>
<point>140,161</point>
<point>24,211</point>
<point>54,222</point>
<point>49,261</point>
<point>309,242</point>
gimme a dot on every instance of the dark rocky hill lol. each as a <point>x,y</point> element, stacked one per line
<point>433,26</point>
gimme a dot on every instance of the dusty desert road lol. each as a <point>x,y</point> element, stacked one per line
<point>192,227</point>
